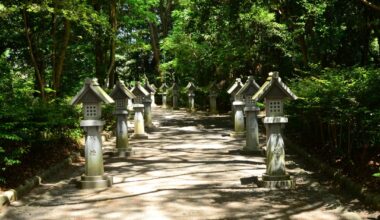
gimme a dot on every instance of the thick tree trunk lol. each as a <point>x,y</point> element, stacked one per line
<point>39,77</point>
<point>111,73</point>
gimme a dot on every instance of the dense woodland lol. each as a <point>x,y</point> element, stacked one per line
<point>327,51</point>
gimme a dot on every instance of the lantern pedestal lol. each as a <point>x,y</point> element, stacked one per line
<point>232,109</point>
<point>164,100</point>
<point>139,132</point>
<point>252,135</point>
<point>130,105</point>
<point>94,177</point>
<point>239,120</point>
<point>276,176</point>
<point>148,113</point>
<point>152,97</point>
<point>175,102</point>
<point>191,102</point>
<point>213,110</point>
<point>122,144</point>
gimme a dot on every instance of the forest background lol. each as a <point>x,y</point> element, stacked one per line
<point>328,51</point>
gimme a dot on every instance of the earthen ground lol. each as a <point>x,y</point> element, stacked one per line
<point>189,168</point>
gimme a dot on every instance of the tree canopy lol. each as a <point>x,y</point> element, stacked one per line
<point>328,50</point>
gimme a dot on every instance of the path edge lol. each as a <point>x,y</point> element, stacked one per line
<point>15,194</point>
<point>345,183</point>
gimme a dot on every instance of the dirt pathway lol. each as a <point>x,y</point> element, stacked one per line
<point>184,171</point>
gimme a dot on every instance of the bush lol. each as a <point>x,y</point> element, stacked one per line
<point>338,115</point>
<point>27,124</point>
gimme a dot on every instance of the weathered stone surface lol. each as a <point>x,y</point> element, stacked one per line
<point>139,130</point>
<point>274,92</point>
<point>190,93</point>
<point>122,143</point>
<point>148,113</point>
<point>232,91</point>
<point>175,94</point>
<point>164,92</point>
<point>252,130</point>
<point>239,129</point>
<point>122,95</point>
<point>91,96</point>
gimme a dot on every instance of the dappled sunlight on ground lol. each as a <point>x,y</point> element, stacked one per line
<point>185,170</point>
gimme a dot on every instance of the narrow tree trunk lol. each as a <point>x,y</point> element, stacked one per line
<point>155,46</point>
<point>40,80</point>
<point>111,73</point>
<point>304,49</point>
<point>166,8</point>
<point>58,68</point>
<point>100,64</point>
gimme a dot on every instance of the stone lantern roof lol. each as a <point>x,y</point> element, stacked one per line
<point>235,87</point>
<point>121,91</point>
<point>140,91</point>
<point>154,87</point>
<point>190,87</point>
<point>175,87</point>
<point>274,88</point>
<point>91,93</point>
<point>148,87</point>
<point>164,87</point>
<point>249,89</point>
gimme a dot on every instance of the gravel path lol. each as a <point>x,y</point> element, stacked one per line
<point>188,169</point>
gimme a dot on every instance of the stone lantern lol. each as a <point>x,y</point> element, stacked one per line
<point>213,95</point>
<point>130,102</point>
<point>274,92</point>
<point>91,96</point>
<point>252,130</point>
<point>164,93</point>
<point>152,91</point>
<point>175,93</point>
<point>190,92</point>
<point>141,96</point>
<point>153,97</point>
<point>232,91</point>
<point>121,95</point>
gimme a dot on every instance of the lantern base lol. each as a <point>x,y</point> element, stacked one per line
<point>277,182</point>
<point>95,182</point>
<point>249,151</point>
<point>139,136</point>
<point>149,125</point>
<point>213,112</point>
<point>235,134</point>
<point>123,152</point>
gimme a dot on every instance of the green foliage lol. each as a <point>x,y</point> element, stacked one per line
<point>338,112</point>
<point>25,121</point>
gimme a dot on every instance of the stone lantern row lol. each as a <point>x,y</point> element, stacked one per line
<point>91,96</point>
<point>274,92</point>
<point>190,89</point>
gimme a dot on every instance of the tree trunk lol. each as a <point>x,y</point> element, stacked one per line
<point>155,46</point>
<point>111,73</point>
<point>303,46</point>
<point>58,68</point>
<point>166,8</point>
<point>39,77</point>
<point>100,64</point>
